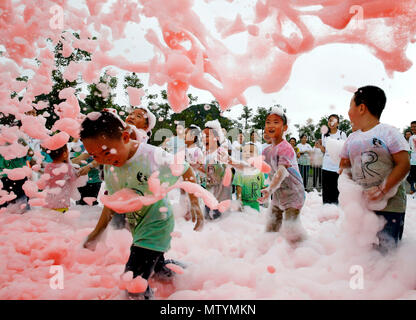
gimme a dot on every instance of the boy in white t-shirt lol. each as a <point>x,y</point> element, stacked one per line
<point>378,157</point>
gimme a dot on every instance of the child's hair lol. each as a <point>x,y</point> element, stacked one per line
<point>251,144</point>
<point>303,135</point>
<point>292,139</point>
<point>373,97</point>
<point>196,131</point>
<point>413,122</point>
<point>56,154</point>
<point>102,123</point>
<point>278,110</point>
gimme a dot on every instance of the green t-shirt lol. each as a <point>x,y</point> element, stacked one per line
<point>150,228</point>
<point>94,173</point>
<point>251,184</point>
<point>11,164</point>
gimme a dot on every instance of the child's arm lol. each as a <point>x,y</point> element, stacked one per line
<point>399,172</point>
<point>277,180</point>
<point>81,157</point>
<point>84,170</point>
<point>195,209</point>
<point>344,164</point>
<point>238,192</point>
<point>102,223</point>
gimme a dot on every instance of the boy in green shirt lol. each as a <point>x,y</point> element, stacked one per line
<point>249,181</point>
<point>129,164</point>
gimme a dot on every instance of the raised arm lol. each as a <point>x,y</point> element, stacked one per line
<point>196,213</point>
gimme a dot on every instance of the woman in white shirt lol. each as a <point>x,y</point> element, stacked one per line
<point>304,161</point>
<point>330,169</point>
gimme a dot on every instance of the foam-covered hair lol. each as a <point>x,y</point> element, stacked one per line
<point>216,126</point>
<point>151,119</point>
<point>278,110</point>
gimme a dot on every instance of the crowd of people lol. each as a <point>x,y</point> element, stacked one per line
<point>375,155</point>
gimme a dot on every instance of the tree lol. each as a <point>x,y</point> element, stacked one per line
<point>246,116</point>
<point>259,119</point>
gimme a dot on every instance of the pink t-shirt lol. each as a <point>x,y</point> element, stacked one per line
<point>60,186</point>
<point>291,193</point>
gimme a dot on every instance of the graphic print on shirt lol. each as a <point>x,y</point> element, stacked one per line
<point>367,159</point>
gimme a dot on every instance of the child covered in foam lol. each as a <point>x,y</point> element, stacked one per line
<point>376,156</point>
<point>250,180</point>
<point>129,164</point>
<point>216,160</point>
<point>286,183</point>
<point>60,184</point>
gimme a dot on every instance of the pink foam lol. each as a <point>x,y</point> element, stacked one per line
<point>56,141</point>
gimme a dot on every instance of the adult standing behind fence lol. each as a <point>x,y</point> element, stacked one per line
<point>330,169</point>
<point>304,161</point>
<point>316,164</point>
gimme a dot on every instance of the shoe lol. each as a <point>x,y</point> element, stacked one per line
<point>147,295</point>
<point>165,274</point>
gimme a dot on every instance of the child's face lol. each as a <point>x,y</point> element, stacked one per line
<point>332,122</point>
<point>189,137</point>
<point>354,115</point>
<point>275,127</point>
<point>209,139</point>
<point>106,150</point>
<point>266,137</point>
<point>407,135</point>
<point>413,128</point>
<point>249,151</point>
<point>138,119</point>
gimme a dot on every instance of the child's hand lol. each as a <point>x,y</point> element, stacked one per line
<point>83,171</point>
<point>90,243</point>
<point>266,193</point>
<point>374,193</point>
<point>197,217</point>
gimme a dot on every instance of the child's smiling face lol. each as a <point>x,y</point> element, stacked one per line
<point>275,127</point>
<point>106,150</point>
<point>209,139</point>
<point>249,151</point>
<point>138,119</point>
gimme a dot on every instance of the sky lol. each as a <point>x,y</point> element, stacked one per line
<point>319,78</point>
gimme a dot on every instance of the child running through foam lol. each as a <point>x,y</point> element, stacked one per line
<point>377,155</point>
<point>285,180</point>
<point>250,181</point>
<point>129,164</point>
<point>59,181</point>
<point>216,160</point>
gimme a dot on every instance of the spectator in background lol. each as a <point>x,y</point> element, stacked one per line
<point>254,138</point>
<point>330,169</point>
<point>292,142</point>
<point>316,164</point>
<point>237,147</point>
<point>304,160</point>
<point>411,178</point>
<point>407,134</point>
